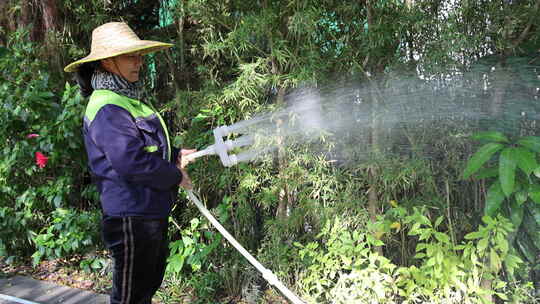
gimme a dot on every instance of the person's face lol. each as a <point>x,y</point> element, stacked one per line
<point>127,66</point>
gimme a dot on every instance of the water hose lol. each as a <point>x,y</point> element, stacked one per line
<point>270,277</point>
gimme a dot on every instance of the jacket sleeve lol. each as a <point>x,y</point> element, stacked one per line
<point>175,153</point>
<point>114,132</point>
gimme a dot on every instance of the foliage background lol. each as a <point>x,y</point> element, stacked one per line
<point>405,227</point>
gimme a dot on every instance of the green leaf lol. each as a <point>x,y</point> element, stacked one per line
<point>501,243</point>
<point>187,241</point>
<point>526,160</point>
<point>482,244</point>
<point>488,220</point>
<point>441,237</point>
<point>36,258</point>
<point>521,197</point>
<point>494,260</point>
<point>199,117</point>
<point>507,171</point>
<point>495,197</point>
<point>511,262</point>
<point>537,172</point>
<point>439,221</point>
<point>484,173</point>
<point>534,193</point>
<point>526,249</point>
<point>491,136</point>
<point>501,295</point>
<point>194,223</point>
<point>535,212</point>
<point>57,201</point>
<point>176,263</point>
<point>531,227</point>
<point>530,142</point>
<point>3,51</point>
<point>480,157</point>
<point>473,235</point>
<point>97,264</point>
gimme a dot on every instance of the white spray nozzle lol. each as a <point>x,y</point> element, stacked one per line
<point>221,147</point>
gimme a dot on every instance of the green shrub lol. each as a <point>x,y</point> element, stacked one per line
<point>37,118</point>
<point>511,167</point>
<point>341,266</point>
<point>192,249</point>
<point>70,232</point>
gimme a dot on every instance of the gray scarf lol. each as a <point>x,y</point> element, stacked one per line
<point>104,80</point>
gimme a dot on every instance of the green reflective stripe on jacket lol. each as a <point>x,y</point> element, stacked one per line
<point>101,98</point>
<point>136,108</point>
<point>166,132</point>
<point>150,149</point>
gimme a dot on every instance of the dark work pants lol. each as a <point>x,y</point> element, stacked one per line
<point>139,248</point>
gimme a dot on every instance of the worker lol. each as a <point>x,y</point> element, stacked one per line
<point>136,169</point>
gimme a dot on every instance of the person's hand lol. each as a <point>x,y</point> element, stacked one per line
<point>181,164</point>
<point>186,180</point>
<point>182,161</point>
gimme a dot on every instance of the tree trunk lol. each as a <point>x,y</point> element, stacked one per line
<point>284,196</point>
<point>49,33</point>
<point>50,16</point>
<point>373,200</point>
<point>486,285</point>
<point>30,16</point>
<point>26,14</point>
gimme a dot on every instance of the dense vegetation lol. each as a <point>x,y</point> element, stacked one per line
<point>454,218</point>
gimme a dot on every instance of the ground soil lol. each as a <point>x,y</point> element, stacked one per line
<point>59,271</point>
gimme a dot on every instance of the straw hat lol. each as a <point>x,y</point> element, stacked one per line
<point>113,39</point>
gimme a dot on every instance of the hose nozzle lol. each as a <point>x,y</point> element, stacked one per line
<point>222,148</point>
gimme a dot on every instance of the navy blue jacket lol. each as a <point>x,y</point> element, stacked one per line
<point>130,156</point>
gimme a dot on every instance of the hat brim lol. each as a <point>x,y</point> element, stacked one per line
<point>144,47</point>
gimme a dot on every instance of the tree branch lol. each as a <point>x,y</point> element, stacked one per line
<point>525,31</point>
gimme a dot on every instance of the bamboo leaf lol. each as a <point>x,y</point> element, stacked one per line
<point>480,157</point>
<point>495,197</point>
<point>507,171</point>
<point>490,136</point>
<point>526,160</point>
<point>530,142</point>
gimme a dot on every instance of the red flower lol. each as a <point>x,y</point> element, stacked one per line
<point>33,135</point>
<point>41,159</point>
